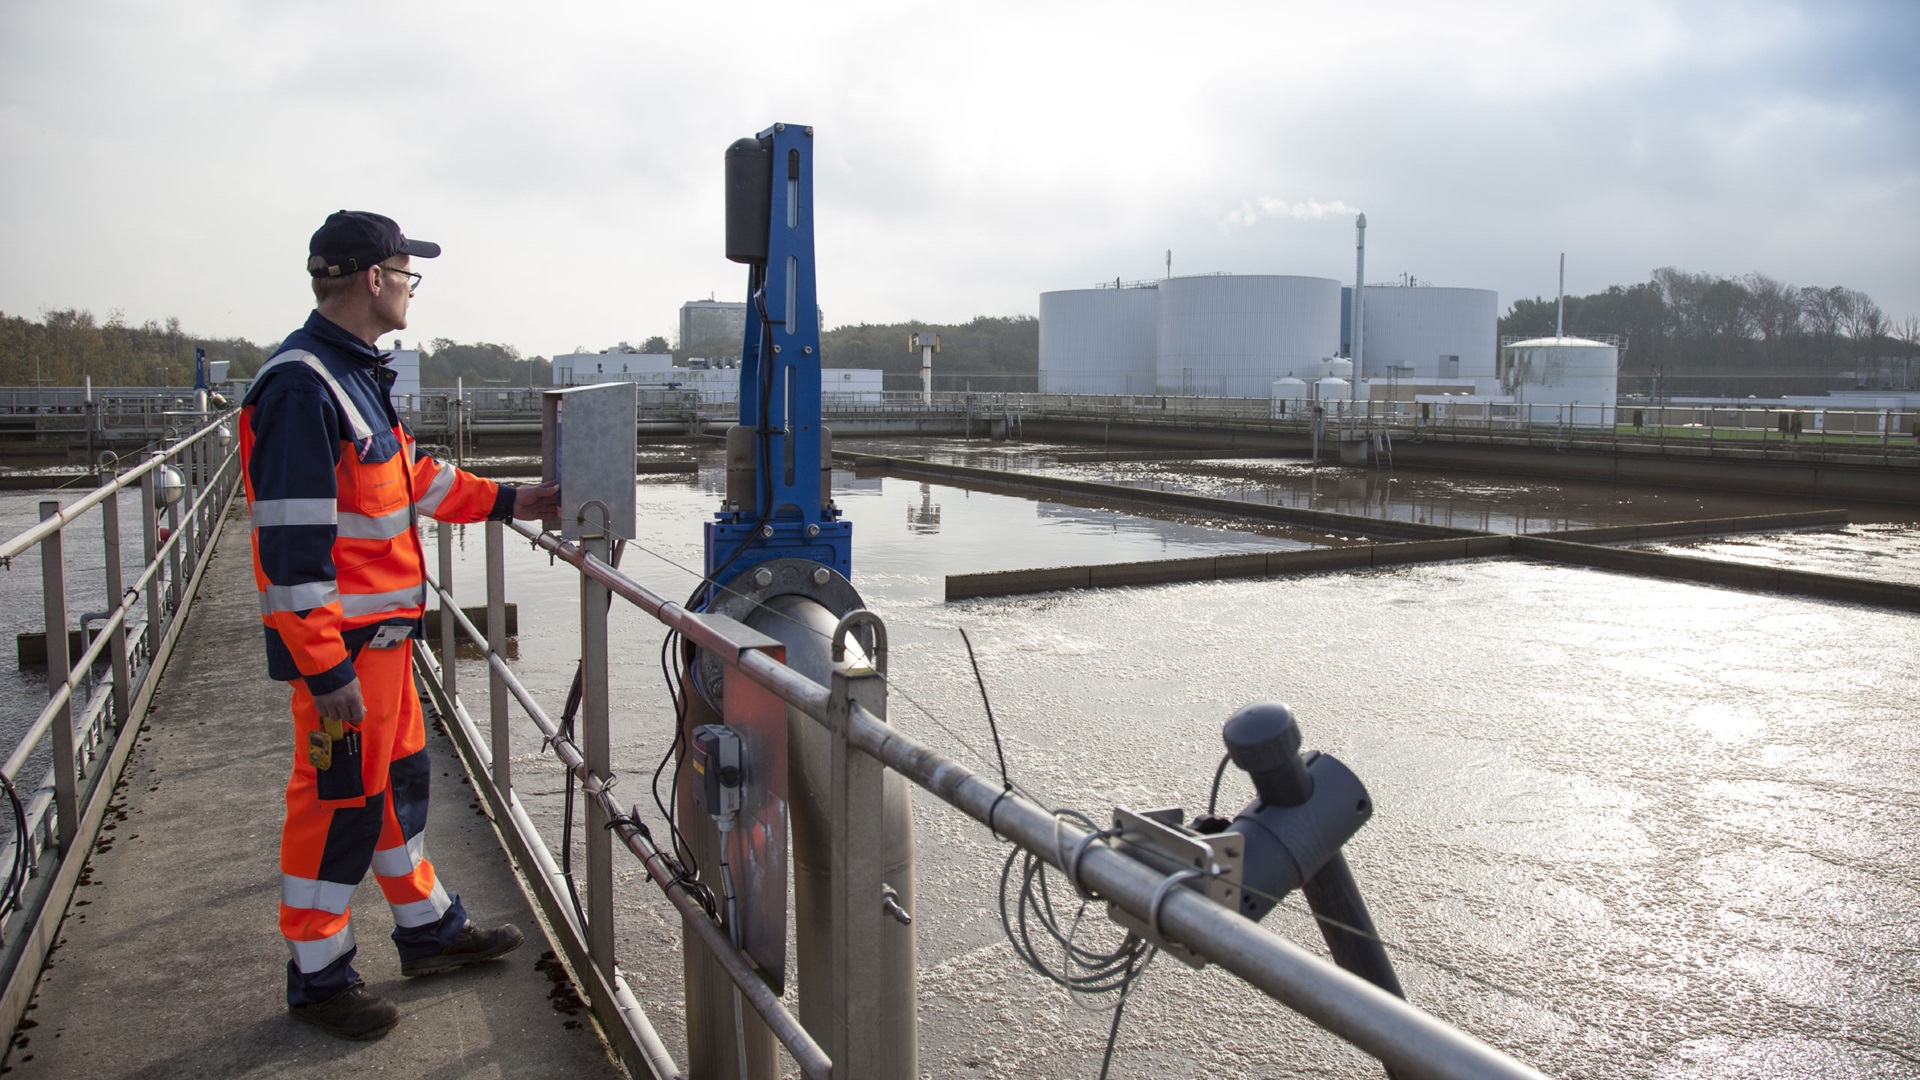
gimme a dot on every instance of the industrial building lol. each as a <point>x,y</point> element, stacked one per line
<point>1562,380</point>
<point>1232,335</point>
<point>715,382</point>
<point>712,328</point>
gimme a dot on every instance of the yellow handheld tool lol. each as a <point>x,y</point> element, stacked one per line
<point>320,742</point>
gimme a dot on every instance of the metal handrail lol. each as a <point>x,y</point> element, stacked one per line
<point>117,620</point>
<point>806,1052</point>
<point>67,806</point>
<point>1407,1039</point>
<point>121,481</point>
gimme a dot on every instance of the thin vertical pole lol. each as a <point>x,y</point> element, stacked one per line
<point>449,680</point>
<point>497,644</point>
<point>53,590</point>
<point>175,588</point>
<point>150,546</point>
<point>188,472</point>
<point>117,645</point>
<point>594,599</point>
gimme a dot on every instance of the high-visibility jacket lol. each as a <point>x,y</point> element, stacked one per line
<point>335,486</point>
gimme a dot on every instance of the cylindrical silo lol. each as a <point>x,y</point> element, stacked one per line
<point>1289,397</point>
<point>1421,333</point>
<point>1562,380</point>
<point>1233,335</point>
<point>1098,341</point>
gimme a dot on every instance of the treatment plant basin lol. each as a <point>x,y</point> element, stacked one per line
<point>1624,827</point>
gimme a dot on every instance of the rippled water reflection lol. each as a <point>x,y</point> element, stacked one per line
<point>1625,827</point>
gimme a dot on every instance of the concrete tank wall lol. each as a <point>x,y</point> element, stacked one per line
<point>1098,341</point>
<point>1430,333</point>
<point>1232,336</point>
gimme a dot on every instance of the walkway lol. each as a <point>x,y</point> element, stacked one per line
<point>170,963</point>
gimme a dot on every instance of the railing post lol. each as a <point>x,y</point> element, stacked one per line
<point>871,1035</point>
<point>594,599</point>
<point>176,590</point>
<point>189,476</point>
<point>117,645</point>
<point>449,680</point>
<point>150,545</point>
<point>497,644</point>
<point>53,590</point>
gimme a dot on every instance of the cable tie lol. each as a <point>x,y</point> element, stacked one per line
<point>1160,898</point>
<point>997,800</point>
<point>1072,862</point>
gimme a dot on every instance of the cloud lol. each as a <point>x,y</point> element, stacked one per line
<point>570,159</point>
<point>1252,211</point>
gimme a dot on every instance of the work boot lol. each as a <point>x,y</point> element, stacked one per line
<point>353,1013</point>
<point>470,946</point>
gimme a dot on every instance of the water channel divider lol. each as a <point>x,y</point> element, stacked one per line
<point>1580,547</point>
<point>1411,1042</point>
<point>64,811</point>
<point>1586,552</point>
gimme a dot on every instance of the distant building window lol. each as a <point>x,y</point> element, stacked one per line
<point>1449,367</point>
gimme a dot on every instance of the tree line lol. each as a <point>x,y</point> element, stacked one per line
<point>990,352</point>
<point>68,346</point>
<point>1695,333</point>
<point>1752,334</point>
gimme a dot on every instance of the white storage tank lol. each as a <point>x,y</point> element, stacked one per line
<point>1099,341</point>
<point>1233,335</point>
<point>1423,333</point>
<point>1289,397</point>
<point>1562,380</point>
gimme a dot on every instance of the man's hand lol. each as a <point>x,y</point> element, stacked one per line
<point>542,501</point>
<point>342,704</point>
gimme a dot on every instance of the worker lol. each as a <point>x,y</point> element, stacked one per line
<point>335,485</point>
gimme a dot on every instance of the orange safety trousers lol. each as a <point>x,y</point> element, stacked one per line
<point>368,810</point>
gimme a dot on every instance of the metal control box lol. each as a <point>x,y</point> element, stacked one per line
<point>587,442</point>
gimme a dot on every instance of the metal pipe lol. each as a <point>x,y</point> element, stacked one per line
<point>594,712</point>
<point>800,1045</point>
<point>25,541</point>
<point>1359,304</point>
<point>53,592</point>
<point>1407,1040</point>
<point>62,695</point>
<point>149,543</point>
<point>122,693</point>
<point>497,644</point>
<point>1411,1042</point>
<point>449,669</point>
<point>175,595</point>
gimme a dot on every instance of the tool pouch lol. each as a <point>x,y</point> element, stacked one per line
<point>334,751</point>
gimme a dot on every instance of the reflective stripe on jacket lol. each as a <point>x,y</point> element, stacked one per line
<point>335,485</point>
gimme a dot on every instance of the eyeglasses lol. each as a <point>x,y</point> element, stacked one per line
<point>413,279</point>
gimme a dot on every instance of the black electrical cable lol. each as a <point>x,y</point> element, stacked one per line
<point>1005,784</point>
<point>574,694</point>
<point>1213,797</point>
<point>22,864</point>
<point>1113,1030</point>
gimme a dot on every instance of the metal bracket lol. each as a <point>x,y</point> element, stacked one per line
<point>1214,865</point>
<point>779,577</point>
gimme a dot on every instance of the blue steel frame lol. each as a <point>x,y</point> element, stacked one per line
<point>780,391</point>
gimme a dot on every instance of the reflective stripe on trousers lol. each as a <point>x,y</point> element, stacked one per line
<point>370,817</point>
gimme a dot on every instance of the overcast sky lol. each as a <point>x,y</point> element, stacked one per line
<point>165,158</point>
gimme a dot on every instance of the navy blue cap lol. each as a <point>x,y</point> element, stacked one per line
<point>354,240</point>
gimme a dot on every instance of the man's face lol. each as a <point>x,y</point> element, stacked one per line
<point>395,290</point>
